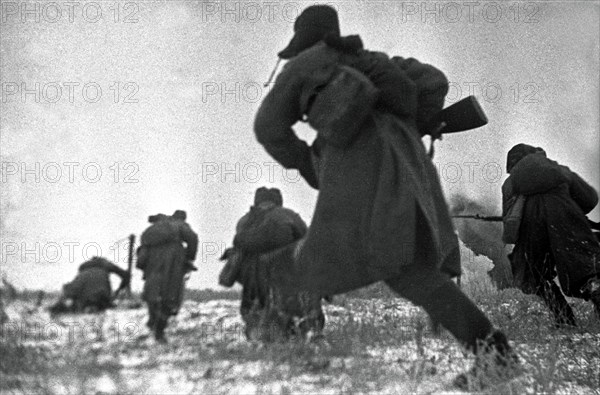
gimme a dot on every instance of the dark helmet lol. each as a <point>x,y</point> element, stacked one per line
<point>311,26</point>
<point>520,151</point>
<point>264,194</point>
<point>180,214</point>
<point>156,218</point>
<point>276,196</point>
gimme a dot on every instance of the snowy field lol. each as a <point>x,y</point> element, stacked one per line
<point>376,345</point>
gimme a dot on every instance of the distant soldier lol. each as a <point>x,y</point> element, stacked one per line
<point>90,291</point>
<point>554,236</point>
<point>269,312</point>
<point>7,294</point>
<point>381,213</point>
<point>165,262</point>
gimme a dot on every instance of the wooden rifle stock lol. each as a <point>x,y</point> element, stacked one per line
<point>465,114</point>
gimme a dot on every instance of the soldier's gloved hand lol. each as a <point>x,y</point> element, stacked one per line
<point>436,132</point>
<point>190,267</point>
<point>307,171</point>
<point>125,281</point>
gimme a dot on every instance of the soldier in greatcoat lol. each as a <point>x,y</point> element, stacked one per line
<point>165,261</point>
<point>554,236</point>
<point>380,214</point>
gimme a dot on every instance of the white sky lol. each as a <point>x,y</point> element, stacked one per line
<point>190,78</point>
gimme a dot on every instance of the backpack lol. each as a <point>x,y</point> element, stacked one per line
<point>536,174</point>
<point>160,232</point>
<point>338,109</point>
<point>265,229</point>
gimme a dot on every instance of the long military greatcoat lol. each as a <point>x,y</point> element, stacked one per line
<point>380,205</point>
<point>269,310</point>
<point>554,236</point>
<point>165,267</point>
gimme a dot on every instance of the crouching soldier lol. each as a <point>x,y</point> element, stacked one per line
<point>90,291</point>
<point>165,262</point>
<point>269,312</point>
<point>552,235</point>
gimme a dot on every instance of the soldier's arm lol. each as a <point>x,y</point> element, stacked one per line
<point>191,240</point>
<point>279,111</point>
<point>112,268</point>
<point>299,227</point>
<point>124,274</point>
<point>581,192</point>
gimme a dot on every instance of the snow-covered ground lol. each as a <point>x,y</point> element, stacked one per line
<point>380,346</point>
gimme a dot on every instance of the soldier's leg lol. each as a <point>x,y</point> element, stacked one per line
<point>156,323</point>
<point>104,302</point>
<point>447,304</point>
<point>311,313</point>
<point>444,302</point>
<point>556,302</point>
<point>540,265</point>
<point>151,316</point>
<point>159,329</point>
<point>540,273</point>
<point>162,314</point>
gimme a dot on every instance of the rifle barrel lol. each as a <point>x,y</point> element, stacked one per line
<point>480,217</point>
<point>130,261</point>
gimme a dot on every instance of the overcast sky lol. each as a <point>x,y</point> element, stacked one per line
<point>115,111</point>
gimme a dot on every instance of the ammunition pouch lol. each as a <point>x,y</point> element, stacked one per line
<point>338,109</point>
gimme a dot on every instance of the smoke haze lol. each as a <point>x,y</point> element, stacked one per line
<point>162,110</point>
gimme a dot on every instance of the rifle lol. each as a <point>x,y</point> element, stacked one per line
<point>125,285</point>
<point>130,262</point>
<point>465,114</point>
<point>493,218</point>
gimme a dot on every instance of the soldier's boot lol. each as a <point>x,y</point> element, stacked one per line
<point>159,330</point>
<point>495,359</point>
<point>592,288</point>
<point>495,363</point>
<point>436,327</point>
<point>560,308</point>
<point>151,319</point>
